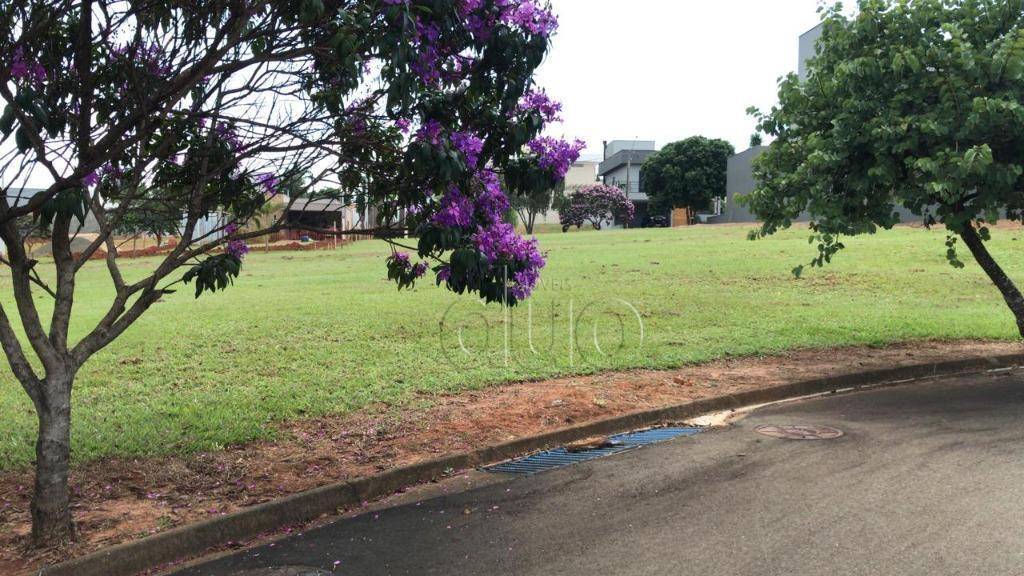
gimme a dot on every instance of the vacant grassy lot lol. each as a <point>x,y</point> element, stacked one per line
<point>305,334</point>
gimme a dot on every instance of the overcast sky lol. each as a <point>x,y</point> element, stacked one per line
<point>664,70</point>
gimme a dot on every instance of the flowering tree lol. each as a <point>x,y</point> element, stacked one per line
<point>596,204</point>
<point>202,112</point>
<point>533,178</point>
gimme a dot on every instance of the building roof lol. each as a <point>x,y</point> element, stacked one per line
<point>615,146</point>
<point>317,205</point>
<point>623,158</point>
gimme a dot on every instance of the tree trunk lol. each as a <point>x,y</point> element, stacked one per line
<point>1014,298</point>
<point>51,512</point>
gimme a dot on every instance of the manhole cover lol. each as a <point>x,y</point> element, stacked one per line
<point>800,432</point>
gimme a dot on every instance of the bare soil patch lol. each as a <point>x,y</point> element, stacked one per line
<point>119,500</point>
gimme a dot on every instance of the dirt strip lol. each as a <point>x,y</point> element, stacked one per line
<point>118,500</point>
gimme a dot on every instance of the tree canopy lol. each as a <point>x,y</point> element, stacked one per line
<point>689,173</point>
<point>915,104</point>
<point>596,204</point>
<point>204,111</point>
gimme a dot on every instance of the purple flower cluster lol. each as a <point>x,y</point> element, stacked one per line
<point>227,134</point>
<point>23,69</point>
<point>459,211</point>
<point>503,247</point>
<point>596,203</point>
<point>150,56</point>
<point>470,145</point>
<point>91,179</point>
<point>529,16</point>
<point>538,100</point>
<point>403,125</point>
<point>492,202</point>
<point>111,170</point>
<point>402,261</point>
<point>437,61</point>
<point>556,155</point>
<point>430,132</point>
<point>269,183</point>
<point>456,210</point>
<point>235,247</point>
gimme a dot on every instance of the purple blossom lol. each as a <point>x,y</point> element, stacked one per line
<point>530,17</point>
<point>91,179</point>
<point>428,65</point>
<point>556,155</point>
<point>150,57</point>
<point>402,262</point>
<point>109,169</point>
<point>596,204</point>
<point>269,183</point>
<point>227,134</point>
<point>456,210</point>
<point>403,125</point>
<point>444,274</point>
<point>237,248</point>
<point>469,144</point>
<point>23,69</point>
<point>465,7</point>
<point>538,100</point>
<point>430,132</point>
<point>502,247</point>
<point>480,27</point>
<point>492,203</point>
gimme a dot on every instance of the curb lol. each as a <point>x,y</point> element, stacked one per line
<point>179,543</point>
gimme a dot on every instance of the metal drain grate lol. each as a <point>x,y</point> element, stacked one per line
<point>654,435</point>
<point>559,457</point>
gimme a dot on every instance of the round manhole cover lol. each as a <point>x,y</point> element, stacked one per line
<point>800,432</point>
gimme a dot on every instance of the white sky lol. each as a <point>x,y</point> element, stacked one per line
<point>665,70</point>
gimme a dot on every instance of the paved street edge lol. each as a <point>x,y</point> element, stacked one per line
<point>195,539</point>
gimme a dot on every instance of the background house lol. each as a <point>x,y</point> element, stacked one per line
<point>581,173</point>
<point>621,167</point>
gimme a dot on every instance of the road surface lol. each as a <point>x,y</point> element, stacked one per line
<point>927,480</point>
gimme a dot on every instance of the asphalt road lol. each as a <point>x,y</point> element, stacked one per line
<point>928,479</point>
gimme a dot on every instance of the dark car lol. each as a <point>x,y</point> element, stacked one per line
<point>656,222</point>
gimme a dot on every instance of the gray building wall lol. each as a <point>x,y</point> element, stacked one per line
<point>621,166</point>
<point>807,49</point>
<point>623,174</point>
<point>616,146</point>
<point>739,183</point>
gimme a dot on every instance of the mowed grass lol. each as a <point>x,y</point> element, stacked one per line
<point>311,334</point>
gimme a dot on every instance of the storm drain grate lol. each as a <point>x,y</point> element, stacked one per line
<point>559,457</point>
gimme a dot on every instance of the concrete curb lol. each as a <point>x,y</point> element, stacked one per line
<point>194,539</point>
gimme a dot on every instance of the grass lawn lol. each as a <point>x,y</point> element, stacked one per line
<point>308,334</point>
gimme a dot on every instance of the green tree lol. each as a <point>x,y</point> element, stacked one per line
<point>915,104</point>
<point>530,199</point>
<point>153,218</point>
<point>689,173</point>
